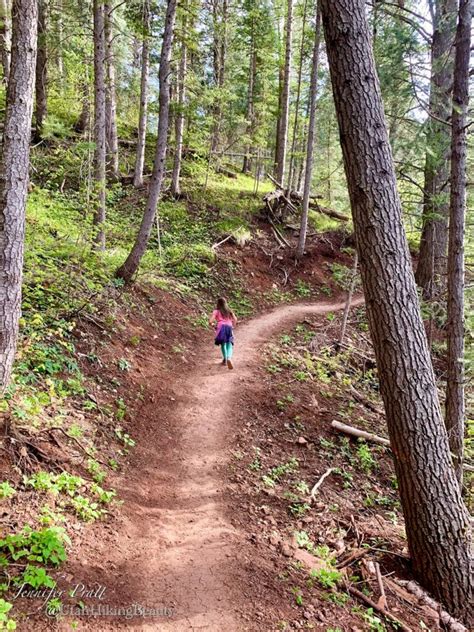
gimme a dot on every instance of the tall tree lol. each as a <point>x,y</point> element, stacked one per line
<point>143,111</point>
<point>440,548</point>
<point>282,131</point>
<point>455,327</point>
<point>99,122</point>
<point>311,130</point>
<point>180,102</point>
<point>41,70</point>
<point>292,165</point>
<point>432,259</point>
<point>14,167</point>
<point>5,38</point>
<point>110,96</point>
<point>130,266</point>
<point>219,58</point>
<point>252,78</point>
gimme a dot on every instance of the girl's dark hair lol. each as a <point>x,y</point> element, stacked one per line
<point>224,308</point>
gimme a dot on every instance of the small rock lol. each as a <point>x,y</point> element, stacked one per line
<point>302,441</point>
<point>286,549</point>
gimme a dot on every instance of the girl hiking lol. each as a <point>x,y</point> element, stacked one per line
<point>224,319</point>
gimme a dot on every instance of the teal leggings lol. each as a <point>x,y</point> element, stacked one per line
<point>227,349</point>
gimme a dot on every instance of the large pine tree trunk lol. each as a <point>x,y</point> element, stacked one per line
<point>431,269</point>
<point>128,269</point>
<point>5,38</point>
<point>99,122</point>
<point>41,70</point>
<point>311,130</point>
<point>179,119</point>
<point>455,327</point>
<point>110,96</point>
<point>142,116</point>
<point>285,98</point>
<point>14,176</point>
<point>437,522</point>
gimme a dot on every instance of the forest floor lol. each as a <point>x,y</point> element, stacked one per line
<point>161,491</point>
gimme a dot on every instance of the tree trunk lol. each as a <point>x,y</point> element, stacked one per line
<point>219,63</point>
<point>298,97</point>
<point>99,122</point>
<point>179,119</point>
<point>431,269</point>
<point>437,522</point>
<point>110,96</point>
<point>142,116</point>
<point>247,166</point>
<point>457,211</point>
<point>41,70</point>
<point>311,130</point>
<point>128,269</point>
<point>285,102</point>
<point>5,38</point>
<point>14,168</point>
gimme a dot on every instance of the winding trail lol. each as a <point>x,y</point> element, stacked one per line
<point>176,548</point>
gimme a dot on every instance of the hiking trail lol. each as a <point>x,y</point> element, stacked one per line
<point>175,547</point>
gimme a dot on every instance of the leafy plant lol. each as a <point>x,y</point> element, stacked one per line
<point>6,490</point>
<point>5,622</point>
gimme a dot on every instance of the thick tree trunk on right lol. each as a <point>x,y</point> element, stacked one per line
<point>437,523</point>
<point>41,70</point>
<point>99,122</point>
<point>142,116</point>
<point>285,97</point>
<point>431,269</point>
<point>457,212</point>
<point>14,166</point>
<point>311,129</point>
<point>128,269</point>
<point>5,38</point>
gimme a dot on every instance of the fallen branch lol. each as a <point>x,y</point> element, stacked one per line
<point>328,211</point>
<point>360,434</point>
<point>321,481</point>
<point>368,436</point>
<point>366,402</point>
<point>219,243</point>
<point>356,593</point>
<point>278,232</point>
<point>353,557</point>
<point>445,618</point>
<point>382,602</point>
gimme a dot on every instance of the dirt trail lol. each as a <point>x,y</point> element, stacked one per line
<point>175,547</point>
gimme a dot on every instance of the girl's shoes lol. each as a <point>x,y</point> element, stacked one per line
<point>229,364</point>
<point>224,362</point>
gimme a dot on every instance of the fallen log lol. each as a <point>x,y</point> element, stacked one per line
<point>360,434</point>
<point>226,172</point>
<point>368,436</point>
<point>328,211</point>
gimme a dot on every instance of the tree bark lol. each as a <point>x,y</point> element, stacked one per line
<point>431,268</point>
<point>110,96</point>
<point>41,110</point>
<point>179,119</point>
<point>143,113</point>
<point>455,407</point>
<point>128,269</point>
<point>5,38</point>
<point>14,176</point>
<point>285,102</point>
<point>99,122</point>
<point>437,522</point>
<point>311,130</point>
